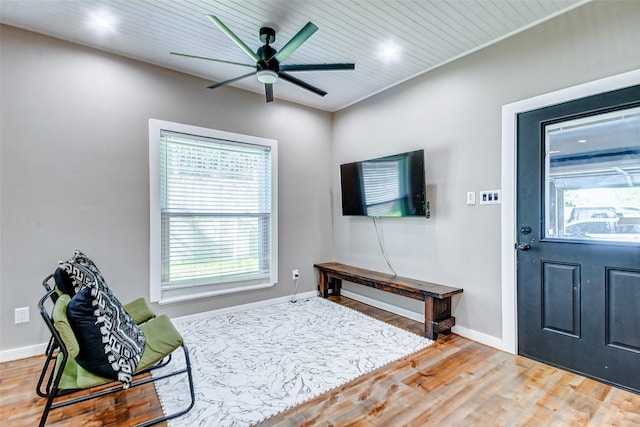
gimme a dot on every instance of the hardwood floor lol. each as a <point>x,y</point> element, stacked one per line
<point>455,382</point>
<point>20,406</point>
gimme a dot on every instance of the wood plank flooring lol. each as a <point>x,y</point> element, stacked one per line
<point>20,406</point>
<point>455,382</point>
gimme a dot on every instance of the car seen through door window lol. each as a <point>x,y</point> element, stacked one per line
<point>592,186</point>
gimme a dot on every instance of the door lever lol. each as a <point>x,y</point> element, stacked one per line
<point>524,246</point>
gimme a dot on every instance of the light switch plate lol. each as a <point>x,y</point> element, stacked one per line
<point>490,197</point>
<point>471,197</point>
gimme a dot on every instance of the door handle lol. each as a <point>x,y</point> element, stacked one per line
<point>524,246</point>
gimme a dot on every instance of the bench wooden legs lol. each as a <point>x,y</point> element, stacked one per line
<point>437,317</point>
<point>336,286</point>
<point>324,285</point>
<point>327,283</point>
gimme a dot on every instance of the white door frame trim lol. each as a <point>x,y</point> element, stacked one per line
<point>509,341</point>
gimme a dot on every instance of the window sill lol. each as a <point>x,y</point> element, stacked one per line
<point>193,296</point>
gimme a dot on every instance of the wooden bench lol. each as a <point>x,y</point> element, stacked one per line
<point>437,298</point>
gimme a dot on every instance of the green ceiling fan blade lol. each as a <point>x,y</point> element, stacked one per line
<point>212,59</point>
<point>235,79</point>
<point>233,37</point>
<point>268,89</point>
<point>304,85</point>
<point>316,67</point>
<point>296,41</point>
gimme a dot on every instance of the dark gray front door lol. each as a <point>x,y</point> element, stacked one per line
<point>578,219</point>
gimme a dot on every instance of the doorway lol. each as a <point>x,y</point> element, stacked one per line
<point>578,236</point>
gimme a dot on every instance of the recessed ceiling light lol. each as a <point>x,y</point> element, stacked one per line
<point>103,22</point>
<point>389,51</point>
<point>582,140</point>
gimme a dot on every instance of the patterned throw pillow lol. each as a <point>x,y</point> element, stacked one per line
<point>82,271</point>
<point>111,344</point>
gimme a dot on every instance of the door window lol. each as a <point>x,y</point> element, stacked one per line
<point>592,178</point>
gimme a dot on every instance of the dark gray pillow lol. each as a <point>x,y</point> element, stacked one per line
<point>92,356</point>
<point>64,282</point>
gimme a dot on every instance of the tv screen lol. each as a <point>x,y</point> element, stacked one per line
<point>391,186</point>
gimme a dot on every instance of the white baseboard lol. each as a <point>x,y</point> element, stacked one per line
<point>419,317</point>
<point>248,306</point>
<point>413,315</point>
<point>38,349</point>
<point>476,336</point>
<point>23,352</point>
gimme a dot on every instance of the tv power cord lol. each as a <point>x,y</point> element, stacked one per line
<point>292,299</point>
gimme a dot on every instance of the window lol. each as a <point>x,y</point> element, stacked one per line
<point>213,212</point>
<point>592,168</point>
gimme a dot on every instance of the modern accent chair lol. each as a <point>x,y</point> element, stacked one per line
<point>62,375</point>
<point>138,309</point>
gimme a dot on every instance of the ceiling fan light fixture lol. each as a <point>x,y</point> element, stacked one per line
<point>267,76</point>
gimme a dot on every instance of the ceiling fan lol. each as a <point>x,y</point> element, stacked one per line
<point>268,67</point>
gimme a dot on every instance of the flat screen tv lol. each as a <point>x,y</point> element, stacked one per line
<point>391,186</point>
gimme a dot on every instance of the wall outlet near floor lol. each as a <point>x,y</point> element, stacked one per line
<point>490,197</point>
<point>22,315</point>
<point>295,274</point>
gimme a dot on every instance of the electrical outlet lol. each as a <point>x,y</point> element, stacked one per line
<point>22,315</point>
<point>295,274</point>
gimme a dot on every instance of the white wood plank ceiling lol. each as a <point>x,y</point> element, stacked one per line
<point>425,34</point>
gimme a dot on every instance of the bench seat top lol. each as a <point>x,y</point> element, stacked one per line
<point>373,278</point>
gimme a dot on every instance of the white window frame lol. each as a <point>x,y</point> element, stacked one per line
<point>156,127</point>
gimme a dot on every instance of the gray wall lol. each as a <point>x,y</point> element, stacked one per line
<point>454,113</point>
<point>74,168</point>
<point>74,153</point>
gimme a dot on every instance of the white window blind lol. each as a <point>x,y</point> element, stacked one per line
<point>215,215</point>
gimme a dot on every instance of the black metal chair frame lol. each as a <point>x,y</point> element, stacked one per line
<point>51,353</point>
<point>52,391</point>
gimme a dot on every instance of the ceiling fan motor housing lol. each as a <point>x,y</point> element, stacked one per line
<point>267,35</point>
<point>267,61</point>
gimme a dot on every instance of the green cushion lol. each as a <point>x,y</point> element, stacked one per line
<point>139,311</point>
<point>61,323</point>
<point>76,377</point>
<point>161,337</point>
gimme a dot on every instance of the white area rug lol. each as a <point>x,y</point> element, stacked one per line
<point>251,365</point>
